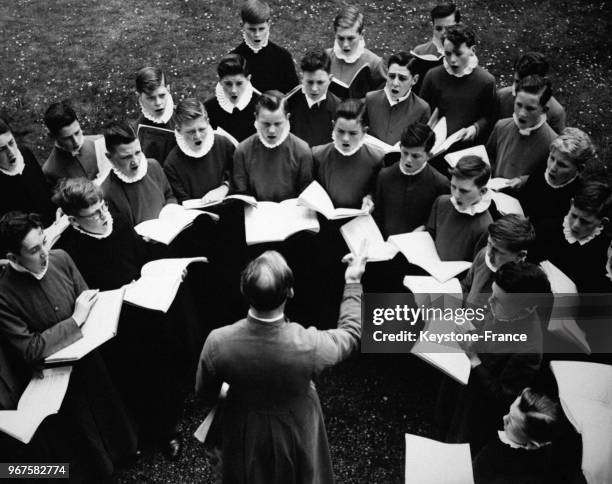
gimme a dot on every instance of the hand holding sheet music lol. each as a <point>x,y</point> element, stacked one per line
<point>172,220</point>
<point>316,198</point>
<point>362,229</point>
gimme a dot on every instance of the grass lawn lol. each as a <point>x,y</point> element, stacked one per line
<point>89,51</point>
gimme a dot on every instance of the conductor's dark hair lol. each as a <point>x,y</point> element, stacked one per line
<point>403,59</point>
<point>514,232</point>
<point>14,227</point>
<point>316,60</point>
<point>417,135</point>
<point>272,101</point>
<point>460,33</point>
<point>530,64</point>
<point>4,127</point>
<point>349,17</point>
<point>255,12</point>
<point>75,194</point>
<point>148,79</point>
<point>472,167</point>
<point>542,416</point>
<point>351,109</point>
<point>444,10</point>
<point>522,277</point>
<point>58,116</point>
<point>232,65</point>
<point>267,281</point>
<point>118,133</point>
<point>594,197</point>
<point>537,85</point>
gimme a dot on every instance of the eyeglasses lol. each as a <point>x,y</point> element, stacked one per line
<point>99,213</point>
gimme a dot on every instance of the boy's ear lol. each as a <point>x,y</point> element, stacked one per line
<point>483,190</point>
<point>249,77</point>
<point>522,255</point>
<point>11,256</point>
<point>73,221</point>
<point>473,48</point>
<point>415,79</point>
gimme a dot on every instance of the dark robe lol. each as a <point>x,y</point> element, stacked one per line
<point>312,124</point>
<point>62,164</point>
<point>156,144</point>
<point>240,124</point>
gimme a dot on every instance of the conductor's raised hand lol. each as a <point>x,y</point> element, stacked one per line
<point>83,305</point>
<point>356,264</point>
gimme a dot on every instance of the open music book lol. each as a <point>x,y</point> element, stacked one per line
<point>453,158</point>
<point>104,164</point>
<point>156,142</point>
<point>356,88</point>
<point>172,220</point>
<point>506,204</point>
<point>41,398</point>
<point>198,203</point>
<point>365,228</point>
<point>100,326</point>
<point>443,140</point>
<point>219,130</point>
<point>368,139</point>
<point>158,284</point>
<point>316,198</point>
<point>431,462</point>
<point>274,222</point>
<point>498,183</point>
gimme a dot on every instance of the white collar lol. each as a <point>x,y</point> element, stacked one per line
<point>438,45</point>
<point>571,238</point>
<point>514,89</point>
<point>140,174</point>
<point>479,207</point>
<point>472,64</point>
<point>414,172</point>
<point>401,99</point>
<point>23,270</point>
<point>109,230</point>
<point>488,262</point>
<point>76,153</point>
<point>18,167</point>
<point>242,102</point>
<point>506,440</point>
<point>347,153</point>
<point>265,320</point>
<point>166,115</point>
<point>528,131</point>
<point>207,144</point>
<point>280,141</point>
<point>310,102</point>
<point>255,48</point>
<point>556,187</point>
<point>351,58</point>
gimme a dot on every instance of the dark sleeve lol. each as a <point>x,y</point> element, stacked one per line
<point>208,383</point>
<point>305,175</point>
<point>431,222</point>
<point>379,203</point>
<point>491,148</point>
<point>426,114</point>
<point>379,75</point>
<point>466,282</point>
<point>228,155</point>
<point>290,78</point>
<point>79,283</point>
<point>167,189</point>
<point>488,102</point>
<point>427,90</point>
<point>240,177</point>
<point>175,181</point>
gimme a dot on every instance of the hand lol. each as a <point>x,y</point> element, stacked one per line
<point>474,359</point>
<point>356,264</point>
<point>470,133</point>
<point>514,183</point>
<point>83,305</point>
<point>367,204</point>
<point>216,194</point>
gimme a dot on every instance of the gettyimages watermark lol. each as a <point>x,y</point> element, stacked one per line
<point>511,323</point>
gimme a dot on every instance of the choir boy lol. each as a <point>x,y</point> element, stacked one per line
<point>406,191</point>
<point>232,108</point>
<point>529,64</point>
<point>311,105</point>
<point>458,221</point>
<point>271,66</point>
<point>392,109</point>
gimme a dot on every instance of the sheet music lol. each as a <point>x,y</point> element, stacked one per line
<point>365,228</point>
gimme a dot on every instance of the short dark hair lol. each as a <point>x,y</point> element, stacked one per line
<point>537,85</point>
<point>444,10</point>
<point>542,416</point>
<point>148,79</point>
<point>594,197</point>
<point>514,231</point>
<point>348,17</point>
<point>272,101</point>
<point>266,281</point>
<point>58,116</point>
<point>118,133</point>
<point>531,63</point>
<point>232,65</point>
<point>75,194</point>
<point>351,109</point>
<point>522,277</point>
<point>188,110</point>
<point>14,227</point>
<point>4,126</point>
<point>472,167</point>
<point>316,60</point>
<point>460,33</point>
<point>255,12</point>
<point>417,135</point>
<point>403,59</point>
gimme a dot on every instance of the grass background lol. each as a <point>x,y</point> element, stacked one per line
<point>88,51</point>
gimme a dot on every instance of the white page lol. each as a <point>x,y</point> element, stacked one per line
<point>431,462</point>
<point>274,222</point>
<point>453,158</point>
<point>316,198</point>
<point>497,183</point>
<point>104,164</point>
<point>198,203</point>
<point>506,204</point>
<point>387,148</point>
<point>364,228</point>
<point>54,231</point>
<point>430,285</point>
<point>202,431</point>
<point>173,219</point>
<point>440,131</point>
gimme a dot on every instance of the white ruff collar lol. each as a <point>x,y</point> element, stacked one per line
<point>280,141</point>
<point>20,268</point>
<point>571,239</point>
<point>140,174</point>
<point>472,64</point>
<point>488,262</point>
<point>414,172</point>
<point>399,100</point>
<point>109,230</point>
<point>227,105</point>
<point>253,47</point>
<point>528,131</point>
<point>204,148</point>
<point>166,115</point>
<point>552,185</point>
<point>350,152</point>
<point>349,58</point>
<point>18,166</point>
<point>479,207</point>
<point>310,102</point>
